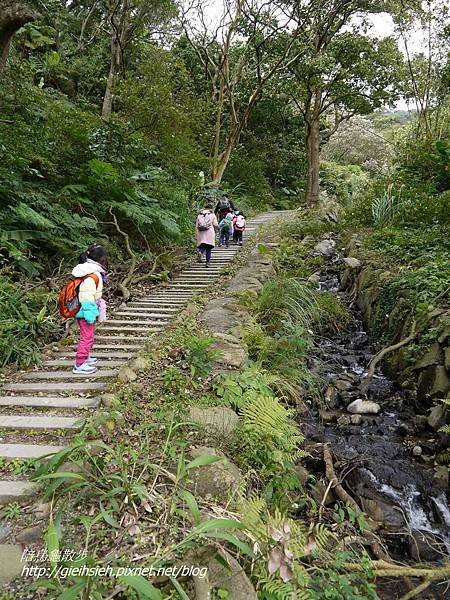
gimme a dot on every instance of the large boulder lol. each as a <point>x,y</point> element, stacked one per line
<point>433,356</point>
<point>217,419</point>
<point>364,407</point>
<point>220,315</point>
<point>10,562</point>
<point>325,247</point>
<point>219,481</point>
<point>232,354</point>
<point>352,262</point>
<point>233,579</point>
<point>436,418</point>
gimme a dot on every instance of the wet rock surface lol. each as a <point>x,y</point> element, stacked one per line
<point>375,437</point>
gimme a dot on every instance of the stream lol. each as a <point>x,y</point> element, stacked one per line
<point>385,459</point>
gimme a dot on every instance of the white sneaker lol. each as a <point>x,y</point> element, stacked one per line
<point>92,360</point>
<point>84,369</point>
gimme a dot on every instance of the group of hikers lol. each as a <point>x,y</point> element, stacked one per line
<point>81,297</point>
<point>225,219</point>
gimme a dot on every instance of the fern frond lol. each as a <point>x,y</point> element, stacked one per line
<point>265,417</point>
<point>444,457</point>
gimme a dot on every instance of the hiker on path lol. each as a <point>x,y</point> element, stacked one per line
<point>223,207</point>
<point>226,230</point>
<point>238,227</point>
<point>92,270</point>
<point>205,233</point>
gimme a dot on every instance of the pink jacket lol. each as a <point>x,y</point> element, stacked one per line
<point>208,236</point>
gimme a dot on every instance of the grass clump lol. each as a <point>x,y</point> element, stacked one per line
<point>280,335</point>
<point>336,317</point>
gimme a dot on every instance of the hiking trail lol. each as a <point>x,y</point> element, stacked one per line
<point>51,403</point>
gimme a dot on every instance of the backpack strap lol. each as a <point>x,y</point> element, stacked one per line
<point>94,276</point>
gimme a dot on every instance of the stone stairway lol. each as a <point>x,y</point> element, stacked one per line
<point>47,406</point>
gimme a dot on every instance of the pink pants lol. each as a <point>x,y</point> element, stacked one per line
<point>86,342</point>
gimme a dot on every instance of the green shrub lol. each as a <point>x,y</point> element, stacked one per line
<point>199,355</point>
<point>344,182</point>
<point>26,322</point>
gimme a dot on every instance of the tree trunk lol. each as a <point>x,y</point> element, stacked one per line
<point>13,15</point>
<point>113,70</point>
<point>313,147</point>
<point>221,162</point>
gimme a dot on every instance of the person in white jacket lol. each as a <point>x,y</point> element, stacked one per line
<point>91,267</point>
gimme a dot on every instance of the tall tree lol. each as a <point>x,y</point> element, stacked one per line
<point>239,55</point>
<point>425,69</point>
<point>127,19</point>
<point>13,15</point>
<point>342,70</point>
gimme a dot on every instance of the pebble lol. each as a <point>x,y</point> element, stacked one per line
<point>417,450</point>
<point>356,419</point>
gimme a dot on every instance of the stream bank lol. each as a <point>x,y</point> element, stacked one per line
<point>384,441</point>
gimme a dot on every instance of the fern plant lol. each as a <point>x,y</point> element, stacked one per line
<point>279,539</point>
<point>266,419</point>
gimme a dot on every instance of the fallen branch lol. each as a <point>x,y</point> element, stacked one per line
<point>331,476</point>
<point>417,590</point>
<point>381,568</point>
<point>153,269</point>
<point>382,353</point>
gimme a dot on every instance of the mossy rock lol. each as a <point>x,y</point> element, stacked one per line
<point>219,481</point>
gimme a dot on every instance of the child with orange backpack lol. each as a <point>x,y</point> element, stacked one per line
<point>81,298</point>
<point>238,227</point>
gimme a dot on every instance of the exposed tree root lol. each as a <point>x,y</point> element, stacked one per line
<point>149,274</point>
<point>331,476</point>
<point>123,285</point>
<point>382,353</point>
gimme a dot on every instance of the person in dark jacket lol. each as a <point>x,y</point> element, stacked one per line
<point>223,207</point>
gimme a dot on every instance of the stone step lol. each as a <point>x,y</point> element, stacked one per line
<point>40,422</point>
<point>193,279</point>
<point>132,340</point>
<point>177,296</point>
<point>28,450</point>
<point>48,375</point>
<point>12,491</point>
<point>154,305</point>
<point>69,363</point>
<point>103,355</point>
<point>59,387</point>
<point>50,401</point>
<point>196,278</point>
<point>105,331</point>
<point>134,322</point>
<point>144,315</point>
<point>169,293</point>
<point>186,286</point>
<point>205,272</point>
<point>172,303</point>
<point>115,349</point>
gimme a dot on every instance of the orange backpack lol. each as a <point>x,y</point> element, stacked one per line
<point>68,300</point>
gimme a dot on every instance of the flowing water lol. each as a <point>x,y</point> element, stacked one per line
<point>386,459</point>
